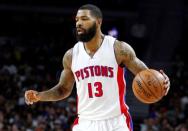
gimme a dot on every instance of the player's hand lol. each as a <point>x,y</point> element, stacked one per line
<point>166,82</point>
<point>31,97</point>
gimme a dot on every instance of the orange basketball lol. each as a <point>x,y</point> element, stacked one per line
<point>148,86</point>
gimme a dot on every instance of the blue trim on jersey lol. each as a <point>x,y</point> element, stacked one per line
<point>131,122</point>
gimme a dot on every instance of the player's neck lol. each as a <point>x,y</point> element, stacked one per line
<point>94,43</point>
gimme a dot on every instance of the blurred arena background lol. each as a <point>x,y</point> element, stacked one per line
<point>34,35</point>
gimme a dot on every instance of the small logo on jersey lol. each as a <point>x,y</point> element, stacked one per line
<point>92,71</point>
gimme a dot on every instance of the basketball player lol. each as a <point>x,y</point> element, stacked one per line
<point>96,64</point>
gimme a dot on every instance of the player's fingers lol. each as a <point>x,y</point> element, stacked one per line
<point>26,98</point>
<point>26,94</point>
<point>162,72</point>
<point>28,102</point>
<point>167,91</point>
<point>167,87</point>
<point>166,83</point>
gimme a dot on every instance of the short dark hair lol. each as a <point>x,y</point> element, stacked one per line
<point>95,11</point>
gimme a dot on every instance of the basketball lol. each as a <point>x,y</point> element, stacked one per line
<point>148,86</point>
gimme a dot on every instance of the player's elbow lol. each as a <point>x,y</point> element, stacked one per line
<point>66,94</point>
<point>63,92</point>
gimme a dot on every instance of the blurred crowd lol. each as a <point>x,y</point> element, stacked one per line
<point>36,64</point>
<point>32,66</point>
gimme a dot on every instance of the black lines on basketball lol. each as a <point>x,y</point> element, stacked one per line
<point>148,88</point>
<point>137,92</point>
<point>161,87</point>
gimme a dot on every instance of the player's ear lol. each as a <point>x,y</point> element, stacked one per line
<point>99,21</point>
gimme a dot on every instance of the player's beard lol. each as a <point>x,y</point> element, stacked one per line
<point>87,35</point>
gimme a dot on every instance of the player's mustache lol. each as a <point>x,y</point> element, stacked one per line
<point>80,28</point>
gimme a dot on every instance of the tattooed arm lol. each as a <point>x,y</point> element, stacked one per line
<point>60,91</point>
<point>126,56</point>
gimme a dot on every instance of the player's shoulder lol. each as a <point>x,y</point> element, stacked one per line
<point>117,43</point>
<point>77,44</point>
<point>121,45</point>
<point>68,53</point>
<point>122,50</point>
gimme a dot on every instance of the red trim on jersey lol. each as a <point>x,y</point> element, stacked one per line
<point>75,122</point>
<point>77,119</point>
<point>122,86</point>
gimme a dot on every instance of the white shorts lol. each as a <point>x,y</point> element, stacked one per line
<point>113,124</point>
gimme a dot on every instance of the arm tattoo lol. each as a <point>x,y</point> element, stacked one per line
<point>127,54</point>
<point>129,59</point>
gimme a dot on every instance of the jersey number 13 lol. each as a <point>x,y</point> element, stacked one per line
<point>95,90</point>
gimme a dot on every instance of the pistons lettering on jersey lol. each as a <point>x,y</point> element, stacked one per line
<point>92,71</point>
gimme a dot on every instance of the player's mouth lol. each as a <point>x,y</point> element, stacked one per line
<point>80,30</point>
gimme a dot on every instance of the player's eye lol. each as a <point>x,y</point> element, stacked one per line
<point>85,18</point>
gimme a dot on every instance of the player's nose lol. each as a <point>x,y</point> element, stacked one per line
<point>79,24</point>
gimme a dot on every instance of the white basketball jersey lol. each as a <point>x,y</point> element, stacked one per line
<point>100,82</point>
